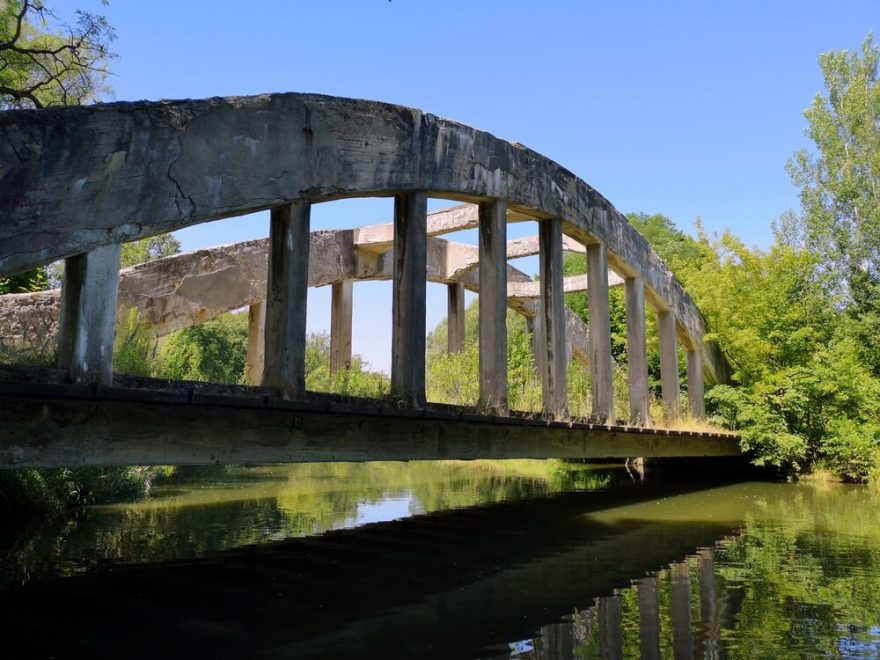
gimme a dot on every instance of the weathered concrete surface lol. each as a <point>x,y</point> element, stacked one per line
<point>636,352</point>
<point>601,375</point>
<point>284,363</point>
<point>493,308</point>
<point>131,426</point>
<point>455,317</point>
<point>87,320</point>
<point>669,384</point>
<point>551,324</point>
<point>408,300</point>
<point>72,179</point>
<point>341,311</point>
<point>29,321</point>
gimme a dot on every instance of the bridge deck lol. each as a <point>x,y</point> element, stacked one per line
<point>45,423</point>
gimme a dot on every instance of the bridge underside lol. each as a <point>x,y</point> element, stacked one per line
<point>149,421</point>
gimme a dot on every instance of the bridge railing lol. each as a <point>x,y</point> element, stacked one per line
<point>77,182</point>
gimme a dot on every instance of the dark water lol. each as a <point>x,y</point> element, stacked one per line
<point>524,559</point>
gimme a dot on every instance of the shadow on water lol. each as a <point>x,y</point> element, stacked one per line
<point>457,582</point>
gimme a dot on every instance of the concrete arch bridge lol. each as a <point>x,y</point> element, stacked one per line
<point>79,182</point>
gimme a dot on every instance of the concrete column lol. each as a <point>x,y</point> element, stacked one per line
<point>256,353</point>
<point>455,317</point>
<point>668,365</point>
<point>552,318</point>
<point>600,333</point>
<point>493,307</point>
<point>695,384</point>
<point>636,352</point>
<point>87,324</point>
<point>649,618</point>
<point>340,326</point>
<point>680,606</point>
<point>286,290</point>
<point>408,299</point>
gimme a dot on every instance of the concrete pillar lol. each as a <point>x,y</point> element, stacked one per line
<point>695,384</point>
<point>552,318</point>
<point>600,334</point>
<point>87,324</point>
<point>340,326</point>
<point>668,365</point>
<point>408,299</point>
<point>680,606</point>
<point>286,290</point>
<point>649,618</point>
<point>256,350</point>
<point>636,352</point>
<point>455,317</point>
<point>493,307</point>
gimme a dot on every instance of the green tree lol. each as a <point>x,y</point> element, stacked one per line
<point>45,62</point>
<point>214,351</point>
<point>840,183</point>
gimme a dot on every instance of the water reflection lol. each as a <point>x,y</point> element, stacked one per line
<point>651,570</point>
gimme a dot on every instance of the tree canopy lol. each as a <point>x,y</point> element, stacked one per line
<point>44,61</point>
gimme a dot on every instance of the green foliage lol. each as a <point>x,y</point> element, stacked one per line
<point>31,280</point>
<point>213,351</point>
<point>134,349</point>
<point>852,449</point>
<point>44,62</point>
<point>839,185</point>
<point>357,380</point>
<point>148,249</point>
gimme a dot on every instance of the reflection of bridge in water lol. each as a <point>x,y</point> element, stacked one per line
<point>456,583</point>
<point>77,182</point>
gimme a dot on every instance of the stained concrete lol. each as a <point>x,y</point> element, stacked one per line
<point>121,171</point>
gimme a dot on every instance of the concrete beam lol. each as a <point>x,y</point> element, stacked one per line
<point>552,320</point>
<point>636,352</point>
<point>408,299</point>
<point>493,308</point>
<point>287,289</point>
<point>145,427</point>
<point>340,326</point>
<point>87,323</point>
<point>570,284</point>
<point>668,365</point>
<point>602,377</point>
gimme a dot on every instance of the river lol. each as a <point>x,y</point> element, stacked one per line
<point>483,559</point>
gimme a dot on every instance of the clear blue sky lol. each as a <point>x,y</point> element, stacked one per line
<point>685,108</point>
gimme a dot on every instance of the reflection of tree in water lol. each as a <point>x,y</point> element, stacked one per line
<point>206,510</point>
<point>801,580</point>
